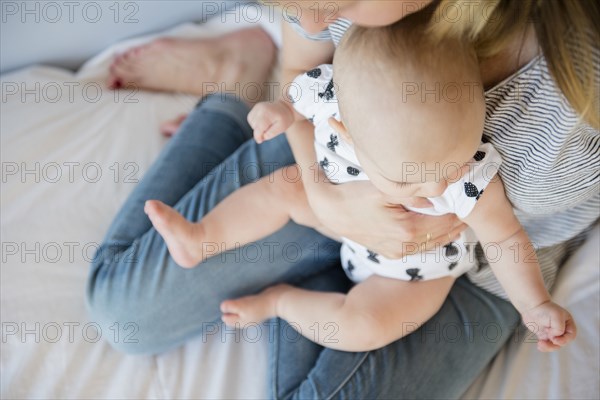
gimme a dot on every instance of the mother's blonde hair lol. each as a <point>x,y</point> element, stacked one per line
<point>567,30</point>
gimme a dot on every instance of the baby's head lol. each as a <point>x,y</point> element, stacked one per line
<point>413,109</point>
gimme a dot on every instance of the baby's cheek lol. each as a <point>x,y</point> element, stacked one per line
<point>395,191</point>
<point>453,173</point>
<point>380,184</point>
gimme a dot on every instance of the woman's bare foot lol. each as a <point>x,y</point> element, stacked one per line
<point>170,127</point>
<point>183,238</point>
<point>196,66</point>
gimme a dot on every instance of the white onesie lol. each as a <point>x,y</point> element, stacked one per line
<point>313,95</point>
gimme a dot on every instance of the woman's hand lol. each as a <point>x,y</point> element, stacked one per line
<point>360,212</point>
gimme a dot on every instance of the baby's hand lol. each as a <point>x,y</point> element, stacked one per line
<point>270,119</point>
<point>552,324</point>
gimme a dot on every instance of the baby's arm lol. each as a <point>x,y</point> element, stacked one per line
<point>373,314</point>
<point>298,55</point>
<point>514,262</point>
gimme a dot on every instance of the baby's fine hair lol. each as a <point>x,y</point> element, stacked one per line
<point>379,71</point>
<point>402,52</point>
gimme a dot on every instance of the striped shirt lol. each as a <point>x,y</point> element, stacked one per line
<point>551,162</point>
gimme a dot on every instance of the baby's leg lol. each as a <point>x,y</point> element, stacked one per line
<point>373,314</point>
<point>249,214</point>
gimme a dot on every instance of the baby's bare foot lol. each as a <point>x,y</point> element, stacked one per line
<point>183,238</point>
<point>196,65</point>
<point>253,309</point>
<point>246,310</point>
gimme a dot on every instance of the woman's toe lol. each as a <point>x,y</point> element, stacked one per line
<point>112,82</point>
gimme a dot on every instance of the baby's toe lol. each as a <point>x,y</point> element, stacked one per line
<point>231,320</point>
<point>229,307</point>
<point>151,207</point>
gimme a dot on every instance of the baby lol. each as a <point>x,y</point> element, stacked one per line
<point>410,120</point>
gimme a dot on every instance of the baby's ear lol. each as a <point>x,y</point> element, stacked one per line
<point>340,128</point>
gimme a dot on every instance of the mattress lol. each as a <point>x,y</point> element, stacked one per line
<point>71,153</point>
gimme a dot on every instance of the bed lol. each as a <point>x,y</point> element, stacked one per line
<point>71,152</point>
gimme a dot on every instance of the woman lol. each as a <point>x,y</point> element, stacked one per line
<point>550,173</point>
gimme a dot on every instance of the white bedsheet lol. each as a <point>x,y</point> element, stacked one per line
<point>53,218</point>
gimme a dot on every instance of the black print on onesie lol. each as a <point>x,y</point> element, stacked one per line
<point>314,73</point>
<point>324,164</point>
<point>480,155</point>
<point>414,274</point>
<point>373,256</point>
<point>472,191</point>
<point>350,268</point>
<point>328,93</point>
<point>333,141</point>
<point>352,171</point>
<point>451,266</point>
<point>450,250</point>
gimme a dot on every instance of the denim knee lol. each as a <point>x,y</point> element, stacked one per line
<point>127,322</point>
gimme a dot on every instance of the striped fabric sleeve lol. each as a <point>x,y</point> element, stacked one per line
<point>334,32</point>
<point>324,35</point>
